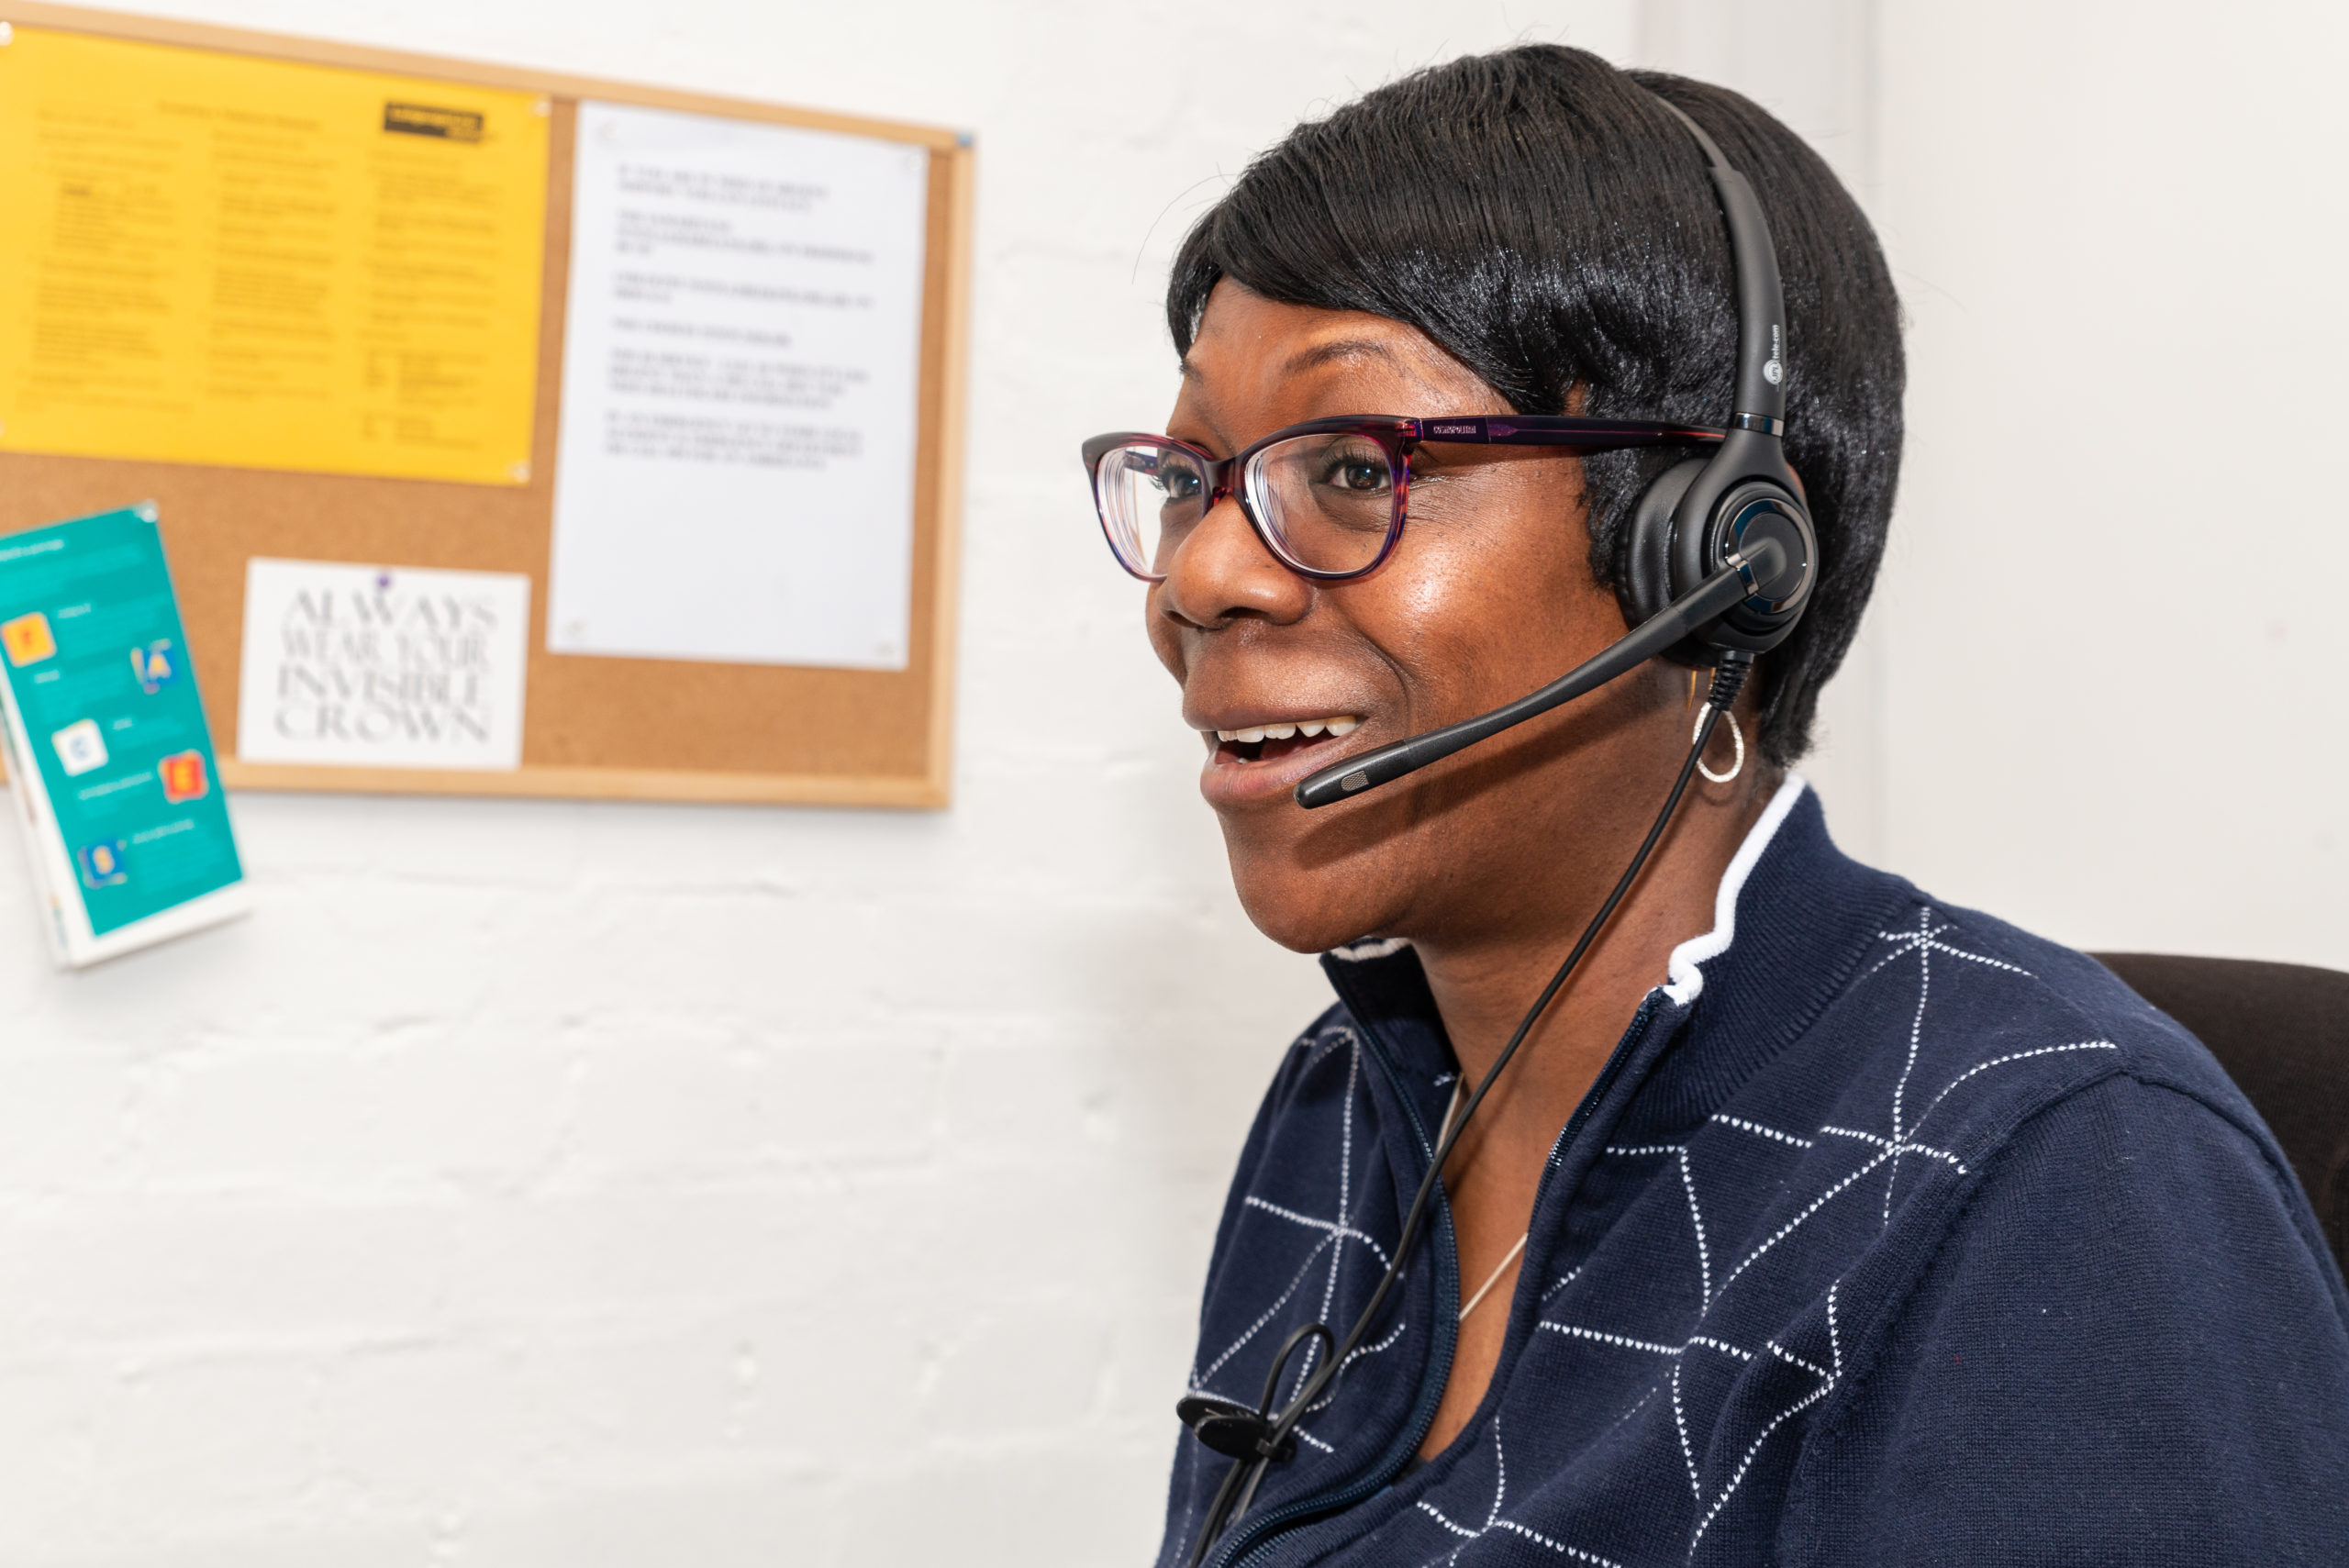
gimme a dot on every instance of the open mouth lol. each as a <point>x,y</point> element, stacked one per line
<point>1270,742</point>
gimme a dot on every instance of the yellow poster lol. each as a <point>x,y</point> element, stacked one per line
<point>207,257</point>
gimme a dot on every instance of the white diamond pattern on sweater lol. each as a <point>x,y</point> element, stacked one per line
<point>1885,1160</point>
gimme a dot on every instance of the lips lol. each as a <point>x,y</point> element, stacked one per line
<point>1268,757</point>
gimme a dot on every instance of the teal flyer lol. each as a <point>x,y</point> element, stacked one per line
<point>96,666</point>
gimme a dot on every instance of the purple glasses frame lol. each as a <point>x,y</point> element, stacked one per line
<point>1399,436</point>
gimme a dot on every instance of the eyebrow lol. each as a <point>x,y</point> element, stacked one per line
<point>1339,349</point>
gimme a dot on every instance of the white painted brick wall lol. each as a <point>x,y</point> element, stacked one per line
<point>548,1185</point>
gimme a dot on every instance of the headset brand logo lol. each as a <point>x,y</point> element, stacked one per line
<point>422,119</point>
<point>1773,371</point>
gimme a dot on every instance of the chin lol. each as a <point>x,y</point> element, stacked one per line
<point>1305,909</point>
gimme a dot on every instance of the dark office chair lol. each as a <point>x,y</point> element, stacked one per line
<point>2281,1030</point>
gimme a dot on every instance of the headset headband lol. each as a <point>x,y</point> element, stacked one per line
<point>1760,402</point>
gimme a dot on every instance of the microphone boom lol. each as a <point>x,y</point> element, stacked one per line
<point>1742,578</point>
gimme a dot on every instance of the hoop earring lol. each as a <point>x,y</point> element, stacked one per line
<point>1736,734</point>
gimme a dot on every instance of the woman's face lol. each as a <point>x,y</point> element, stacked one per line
<point>1489,594</point>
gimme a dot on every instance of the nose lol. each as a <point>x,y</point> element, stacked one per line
<point>1222,572</point>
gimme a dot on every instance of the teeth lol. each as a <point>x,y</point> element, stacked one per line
<point>1342,725</point>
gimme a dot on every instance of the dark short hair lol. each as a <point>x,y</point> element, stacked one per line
<point>1540,216</point>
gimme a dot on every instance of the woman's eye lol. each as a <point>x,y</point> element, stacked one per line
<point>1181,482</point>
<point>1358,473</point>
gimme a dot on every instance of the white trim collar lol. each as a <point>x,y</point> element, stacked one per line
<point>1368,948</point>
<point>1685,981</point>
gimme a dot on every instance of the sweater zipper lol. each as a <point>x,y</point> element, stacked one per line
<point>1599,1091</point>
<point>1259,1534</point>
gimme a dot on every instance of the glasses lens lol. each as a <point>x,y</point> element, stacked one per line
<point>1151,496</point>
<point>1330,499</point>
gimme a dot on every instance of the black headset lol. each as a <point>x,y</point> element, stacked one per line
<point>1723,558</point>
<point>1699,512</point>
<point>1722,554</point>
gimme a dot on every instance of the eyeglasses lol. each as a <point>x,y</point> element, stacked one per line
<point>1328,498</point>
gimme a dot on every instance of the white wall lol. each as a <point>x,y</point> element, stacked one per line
<point>2109,707</point>
<point>589,1185</point>
<point>1813,64</point>
<point>586,1185</point>
<point>2094,695</point>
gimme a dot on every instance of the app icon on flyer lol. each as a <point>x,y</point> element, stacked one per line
<point>157,665</point>
<point>101,863</point>
<point>80,747</point>
<point>183,776</point>
<point>27,638</point>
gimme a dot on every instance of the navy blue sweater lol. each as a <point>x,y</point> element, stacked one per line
<point>1889,1234</point>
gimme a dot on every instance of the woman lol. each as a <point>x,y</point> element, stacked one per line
<point>1814,1220</point>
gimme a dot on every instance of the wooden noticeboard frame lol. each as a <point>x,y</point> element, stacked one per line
<point>631,728</point>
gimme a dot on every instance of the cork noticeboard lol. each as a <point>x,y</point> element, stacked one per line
<point>599,725</point>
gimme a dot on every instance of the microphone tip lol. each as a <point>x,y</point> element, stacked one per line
<point>1328,786</point>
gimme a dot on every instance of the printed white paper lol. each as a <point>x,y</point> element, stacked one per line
<point>736,474</point>
<point>383,666</point>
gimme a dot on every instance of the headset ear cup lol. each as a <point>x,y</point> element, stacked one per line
<point>1644,587</point>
